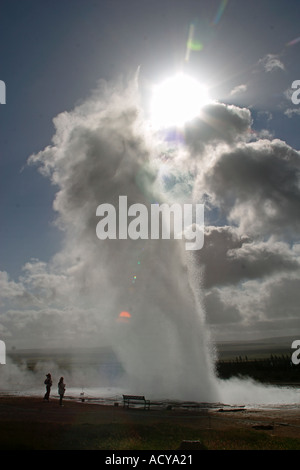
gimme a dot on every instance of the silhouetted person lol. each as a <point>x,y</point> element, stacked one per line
<point>48,383</point>
<point>61,390</point>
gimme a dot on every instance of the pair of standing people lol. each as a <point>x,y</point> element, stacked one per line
<point>61,388</point>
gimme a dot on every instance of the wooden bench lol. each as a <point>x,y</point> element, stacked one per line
<point>136,398</point>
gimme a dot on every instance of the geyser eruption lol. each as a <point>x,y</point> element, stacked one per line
<point>101,150</point>
<point>144,297</point>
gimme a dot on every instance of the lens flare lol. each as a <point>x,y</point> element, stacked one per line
<point>293,42</point>
<point>220,12</point>
<point>192,44</point>
<point>124,315</point>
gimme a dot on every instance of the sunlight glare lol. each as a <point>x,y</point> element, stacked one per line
<point>176,101</point>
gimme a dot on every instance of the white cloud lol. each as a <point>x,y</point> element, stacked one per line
<point>290,112</point>
<point>239,89</point>
<point>271,62</point>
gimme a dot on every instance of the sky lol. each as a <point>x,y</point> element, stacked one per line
<point>79,76</point>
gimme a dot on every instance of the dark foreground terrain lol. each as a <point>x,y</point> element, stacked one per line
<point>31,424</point>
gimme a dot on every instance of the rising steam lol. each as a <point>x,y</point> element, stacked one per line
<point>102,149</point>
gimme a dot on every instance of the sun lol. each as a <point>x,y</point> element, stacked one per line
<point>176,101</point>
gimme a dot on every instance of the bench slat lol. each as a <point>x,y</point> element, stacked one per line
<point>133,397</point>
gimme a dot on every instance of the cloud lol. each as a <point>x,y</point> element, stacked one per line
<point>250,286</point>
<point>239,89</point>
<point>217,123</point>
<point>229,258</point>
<point>255,308</point>
<point>271,63</point>
<point>12,292</point>
<point>256,186</point>
<point>219,312</point>
<point>290,112</point>
<point>251,251</point>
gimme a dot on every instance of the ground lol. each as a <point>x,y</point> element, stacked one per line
<point>32,424</point>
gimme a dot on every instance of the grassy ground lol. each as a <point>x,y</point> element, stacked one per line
<point>33,425</point>
<point>122,437</point>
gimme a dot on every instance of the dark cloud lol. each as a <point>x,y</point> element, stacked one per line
<point>217,123</point>
<point>256,185</point>
<point>229,258</point>
<point>220,313</point>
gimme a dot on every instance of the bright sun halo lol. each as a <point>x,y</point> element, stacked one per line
<point>176,101</point>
